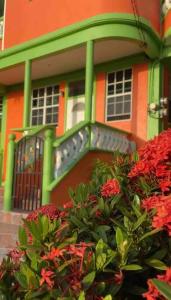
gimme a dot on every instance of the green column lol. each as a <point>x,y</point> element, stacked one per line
<point>27,94</point>
<point>47,165</point>
<point>155,85</point>
<point>9,174</point>
<point>89,80</point>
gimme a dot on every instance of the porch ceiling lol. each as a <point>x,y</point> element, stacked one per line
<point>70,60</point>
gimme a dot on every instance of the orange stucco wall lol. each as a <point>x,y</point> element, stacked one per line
<point>60,195</point>
<point>14,118</point>
<point>137,125</point>
<point>33,18</point>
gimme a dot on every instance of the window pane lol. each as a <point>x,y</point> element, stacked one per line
<point>41,102</point>
<point>55,100</point>
<point>119,88</point>
<point>119,76</point>
<point>35,103</point>
<point>127,107</point>
<point>111,100</point>
<point>35,93</point>
<point>49,101</point>
<point>49,90</point>
<point>76,88</point>
<point>56,89</point>
<point>110,109</point>
<point>110,89</point>
<point>119,108</point>
<point>127,87</point>
<point>41,92</point>
<point>111,77</point>
<point>128,74</point>
<point>119,99</point>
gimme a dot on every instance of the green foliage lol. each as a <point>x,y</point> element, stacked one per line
<point>98,248</point>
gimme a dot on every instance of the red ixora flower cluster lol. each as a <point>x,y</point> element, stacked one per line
<point>154,160</point>
<point>162,205</point>
<point>50,210</point>
<point>153,293</point>
<point>110,188</point>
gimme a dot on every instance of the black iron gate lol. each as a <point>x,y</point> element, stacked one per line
<point>28,169</point>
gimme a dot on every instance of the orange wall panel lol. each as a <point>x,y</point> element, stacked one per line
<point>61,123</point>
<point>14,118</point>
<point>37,17</point>
<point>59,196</point>
<point>137,125</point>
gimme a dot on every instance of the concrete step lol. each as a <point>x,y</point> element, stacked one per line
<point>9,224</point>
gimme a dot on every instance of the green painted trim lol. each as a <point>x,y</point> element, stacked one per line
<point>154,124</point>
<point>47,165</point>
<point>3,134</point>
<point>119,26</point>
<point>89,80</point>
<point>27,94</point>
<point>33,129</point>
<point>80,74</point>
<point>9,174</point>
<point>94,100</point>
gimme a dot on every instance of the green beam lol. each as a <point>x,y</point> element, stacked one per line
<point>89,80</point>
<point>3,135</point>
<point>27,94</point>
<point>114,25</point>
<point>9,174</point>
<point>47,165</point>
<point>155,70</point>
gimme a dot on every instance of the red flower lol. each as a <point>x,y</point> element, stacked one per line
<point>68,205</point>
<point>46,277</point>
<point>15,255</point>
<point>162,217</point>
<point>55,252</point>
<point>151,202</point>
<point>118,278</point>
<point>110,188</point>
<point>153,293</point>
<point>49,210</point>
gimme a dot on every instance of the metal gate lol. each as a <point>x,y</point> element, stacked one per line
<point>28,169</point>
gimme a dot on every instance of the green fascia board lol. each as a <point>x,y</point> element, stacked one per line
<point>118,26</point>
<point>119,63</point>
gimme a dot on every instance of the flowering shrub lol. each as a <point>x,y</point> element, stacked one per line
<point>107,242</point>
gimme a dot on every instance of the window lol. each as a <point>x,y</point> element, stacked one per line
<point>45,105</point>
<point>1,8</point>
<point>76,88</point>
<point>119,94</point>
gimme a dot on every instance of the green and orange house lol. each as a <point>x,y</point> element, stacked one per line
<point>78,80</point>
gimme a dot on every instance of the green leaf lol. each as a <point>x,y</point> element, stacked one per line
<point>152,232</point>
<point>22,236</point>
<point>119,238</point>
<point>140,221</point>
<point>88,280</point>
<point>132,267</point>
<point>108,297</point>
<point>163,288</point>
<point>100,261</point>
<point>45,225</point>
<point>99,247</point>
<point>156,263</point>
<point>21,278</point>
<point>81,296</point>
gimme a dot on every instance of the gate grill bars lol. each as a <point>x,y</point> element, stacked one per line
<point>27,179</point>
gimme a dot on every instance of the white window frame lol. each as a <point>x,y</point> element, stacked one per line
<point>44,107</point>
<point>117,95</point>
